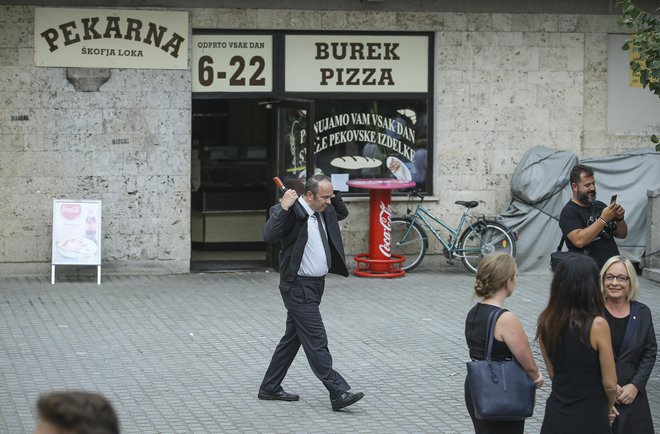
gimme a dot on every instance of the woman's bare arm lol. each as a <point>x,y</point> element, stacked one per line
<point>509,330</point>
<point>601,341</point>
<point>546,359</point>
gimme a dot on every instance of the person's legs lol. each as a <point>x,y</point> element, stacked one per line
<point>283,356</point>
<point>302,302</point>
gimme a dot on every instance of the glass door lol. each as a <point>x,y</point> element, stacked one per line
<point>293,139</point>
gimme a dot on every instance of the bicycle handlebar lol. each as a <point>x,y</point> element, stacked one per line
<point>415,192</point>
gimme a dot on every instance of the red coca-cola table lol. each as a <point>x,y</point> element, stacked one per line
<point>380,262</point>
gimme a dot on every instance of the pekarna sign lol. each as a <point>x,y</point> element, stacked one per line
<point>101,38</point>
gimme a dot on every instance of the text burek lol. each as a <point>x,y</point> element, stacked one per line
<point>357,51</point>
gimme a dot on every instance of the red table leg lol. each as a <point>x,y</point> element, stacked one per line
<point>380,227</point>
<point>380,261</point>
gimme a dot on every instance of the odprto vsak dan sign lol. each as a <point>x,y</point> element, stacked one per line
<point>232,63</point>
<point>109,38</point>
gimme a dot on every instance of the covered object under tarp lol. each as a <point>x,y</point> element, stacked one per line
<point>540,187</point>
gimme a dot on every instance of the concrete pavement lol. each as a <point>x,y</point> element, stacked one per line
<point>186,353</point>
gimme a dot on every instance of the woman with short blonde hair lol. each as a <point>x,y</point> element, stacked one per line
<point>633,342</point>
<point>633,289</point>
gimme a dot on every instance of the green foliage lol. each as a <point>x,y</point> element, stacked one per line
<point>646,41</point>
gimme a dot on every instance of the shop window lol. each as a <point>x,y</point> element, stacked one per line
<point>383,138</point>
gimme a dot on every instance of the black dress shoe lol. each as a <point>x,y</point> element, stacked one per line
<point>346,399</point>
<point>279,396</point>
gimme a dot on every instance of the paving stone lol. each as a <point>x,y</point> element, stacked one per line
<point>186,353</point>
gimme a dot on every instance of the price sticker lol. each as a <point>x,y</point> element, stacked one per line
<point>232,63</point>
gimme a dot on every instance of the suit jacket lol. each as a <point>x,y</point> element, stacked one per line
<point>290,228</point>
<point>637,357</point>
<point>634,363</point>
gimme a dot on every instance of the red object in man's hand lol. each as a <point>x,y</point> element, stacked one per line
<point>279,184</point>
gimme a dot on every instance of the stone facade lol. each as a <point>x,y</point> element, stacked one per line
<point>127,144</point>
<point>503,83</point>
<point>652,261</point>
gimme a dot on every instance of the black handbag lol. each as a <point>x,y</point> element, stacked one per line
<point>501,390</point>
<point>558,256</point>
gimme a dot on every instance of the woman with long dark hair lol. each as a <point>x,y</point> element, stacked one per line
<point>576,346</point>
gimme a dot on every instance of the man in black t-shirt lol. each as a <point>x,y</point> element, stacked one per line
<point>590,225</point>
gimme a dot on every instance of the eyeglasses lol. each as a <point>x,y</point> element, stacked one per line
<point>620,278</point>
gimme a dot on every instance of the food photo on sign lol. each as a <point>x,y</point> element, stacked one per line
<point>76,232</point>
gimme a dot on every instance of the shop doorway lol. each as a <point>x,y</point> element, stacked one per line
<point>231,150</point>
<point>238,147</point>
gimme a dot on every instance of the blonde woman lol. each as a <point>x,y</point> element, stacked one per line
<point>634,344</point>
<point>495,281</point>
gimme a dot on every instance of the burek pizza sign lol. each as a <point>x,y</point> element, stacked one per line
<point>356,63</point>
<point>102,38</point>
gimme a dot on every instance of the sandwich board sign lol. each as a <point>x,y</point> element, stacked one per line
<point>76,234</point>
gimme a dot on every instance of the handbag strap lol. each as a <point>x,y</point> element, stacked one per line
<point>561,243</point>
<point>490,332</point>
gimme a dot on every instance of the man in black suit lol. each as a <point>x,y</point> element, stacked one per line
<point>308,230</point>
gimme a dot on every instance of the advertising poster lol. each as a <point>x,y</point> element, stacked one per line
<point>631,110</point>
<point>76,232</point>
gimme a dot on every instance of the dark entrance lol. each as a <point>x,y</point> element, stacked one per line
<point>231,149</point>
<point>238,146</point>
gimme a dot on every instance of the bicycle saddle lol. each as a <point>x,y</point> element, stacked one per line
<point>470,204</point>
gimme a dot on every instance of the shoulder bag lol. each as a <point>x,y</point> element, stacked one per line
<point>501,390</point>
<point>558,256</point>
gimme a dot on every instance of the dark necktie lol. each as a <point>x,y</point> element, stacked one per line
<point>324,238</point>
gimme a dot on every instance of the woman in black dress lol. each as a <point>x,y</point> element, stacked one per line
<point>577,349</point>
<point>634,344</point>
<point>495,281</point>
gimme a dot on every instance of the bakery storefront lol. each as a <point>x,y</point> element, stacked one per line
<point>288,104</point>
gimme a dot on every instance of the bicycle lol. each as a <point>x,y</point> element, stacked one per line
<point>481,236</point>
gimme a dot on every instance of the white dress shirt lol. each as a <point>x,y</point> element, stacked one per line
<point>313,262</point>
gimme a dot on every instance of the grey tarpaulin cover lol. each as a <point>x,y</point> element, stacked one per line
<point>540,188</point>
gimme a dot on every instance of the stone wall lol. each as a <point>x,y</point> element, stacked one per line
<point>504,83</point>
<point>127,144</point>
<point>652,261</point>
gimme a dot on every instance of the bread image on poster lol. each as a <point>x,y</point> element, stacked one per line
<point>351,162</point>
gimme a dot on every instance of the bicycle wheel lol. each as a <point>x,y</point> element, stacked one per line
<point>483,238</point>
<point>409,240</point>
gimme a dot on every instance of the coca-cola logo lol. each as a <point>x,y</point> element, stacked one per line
<point>70,211</point>
<point>385,220</point>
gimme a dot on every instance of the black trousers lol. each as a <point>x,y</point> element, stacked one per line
<point>304,326</point>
